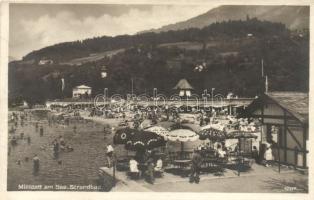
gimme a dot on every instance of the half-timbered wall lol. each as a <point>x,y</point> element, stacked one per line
<point>292,136</point>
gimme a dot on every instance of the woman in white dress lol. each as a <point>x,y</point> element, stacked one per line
<point>268,155</point>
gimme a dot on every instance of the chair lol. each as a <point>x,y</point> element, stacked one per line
<point>159,173</point>
<point>133,175</point>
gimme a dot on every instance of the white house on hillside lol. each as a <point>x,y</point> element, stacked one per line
<point>45,62</point>
<point>81,90</point>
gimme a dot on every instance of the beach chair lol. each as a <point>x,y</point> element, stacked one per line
<point>133,175</point>
<point>159,173</point>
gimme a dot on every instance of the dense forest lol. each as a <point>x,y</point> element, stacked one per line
<point>225,55</point>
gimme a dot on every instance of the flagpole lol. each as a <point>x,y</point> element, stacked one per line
<point>262,67</point>
<point>266,84</point>
<point>62,87</point>
<point>132,87</point>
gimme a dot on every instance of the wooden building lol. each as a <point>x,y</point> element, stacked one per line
<point>184,88</point>
<point>284,116</point>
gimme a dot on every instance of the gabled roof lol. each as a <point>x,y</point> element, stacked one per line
<point>183,84</point>
<point>82,87</point>
<point>296,103</point>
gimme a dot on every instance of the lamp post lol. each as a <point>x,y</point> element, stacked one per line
<point>106,93</point>
<point>132,88</point>
<point>103,74</point>
<point>155,96</point>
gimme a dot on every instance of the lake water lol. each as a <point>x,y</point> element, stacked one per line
<point>79,167</point>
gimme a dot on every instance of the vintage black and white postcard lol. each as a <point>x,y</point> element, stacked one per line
<point>193,98</point>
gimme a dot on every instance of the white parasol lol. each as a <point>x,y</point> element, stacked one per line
<point>159,130</point>
<point>219,127</point>
<point>182,135</point>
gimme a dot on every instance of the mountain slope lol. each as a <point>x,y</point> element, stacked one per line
<point>222,56</point>
<point>294,17</point>
<point>65,52</point>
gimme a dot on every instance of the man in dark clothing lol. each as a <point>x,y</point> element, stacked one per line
<point>196,167</point>
<point>41,131</point>
<point>207,119</point>
<point>255,155</point>
<point>22,136</point>
<point>36,126</point>
<point>150,171</point>
<point>55,149</point>
<point>35,165</point>
<point>28,140</point>
<point>201,120</point>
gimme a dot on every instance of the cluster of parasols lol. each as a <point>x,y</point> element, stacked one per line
<point>156,136</point>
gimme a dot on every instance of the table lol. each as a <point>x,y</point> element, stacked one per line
<point>182,163</point>
<point>241,162</point>
<point>183,166</point>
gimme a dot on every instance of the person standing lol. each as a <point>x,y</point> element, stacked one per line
<point>201,119</point>
<point>13,141</point>
<point>207,118</point>
<point>196,167</point>
<point>41,131</point>
<point>268,156</point>
<point>255,155</point>
<point>109,154</point>
<point>36,126</point>
<point>150,171</point>
<point>55,149</point>
<point>21,135</point>
<point>167,112</point>
<point>74,128</point>
<point>36,165</point>
<point>28,140</point>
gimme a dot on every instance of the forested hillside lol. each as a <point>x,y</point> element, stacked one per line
<point>225,55</point>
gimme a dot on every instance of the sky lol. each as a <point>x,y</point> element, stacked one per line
<point>34,26</point>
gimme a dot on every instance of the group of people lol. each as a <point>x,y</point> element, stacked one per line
<point>58,144</point>
<point>14,119</point>
<point>219,148</point>
<point>147,164</point>
<point>144,163</point>
<point>205,117</point>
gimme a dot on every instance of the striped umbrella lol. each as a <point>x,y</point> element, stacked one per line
<point>236,134</point>
<point>141,140</point>
<point>212,134</point>
<point>182,135</point>
<point>123,135</point>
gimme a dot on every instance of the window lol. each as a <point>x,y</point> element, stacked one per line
<point>275,134</point>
